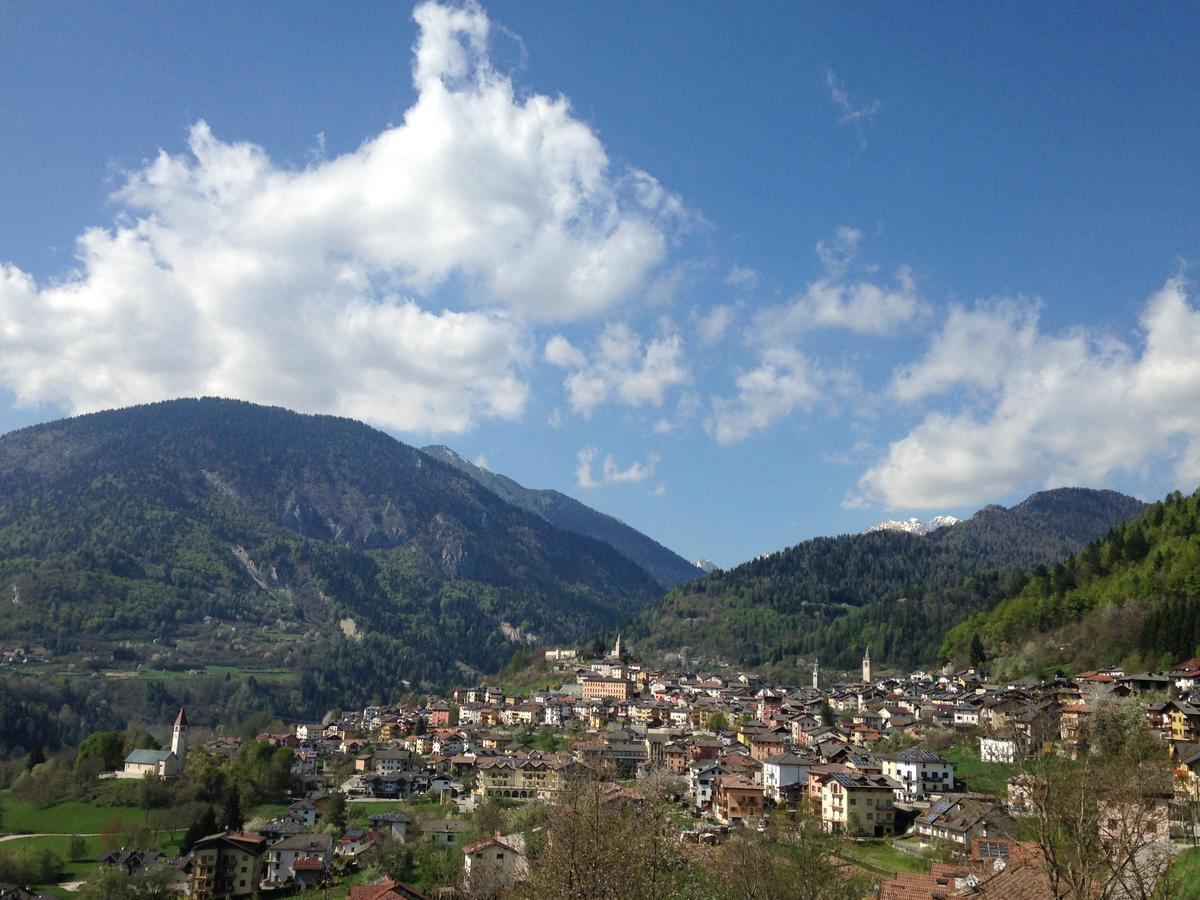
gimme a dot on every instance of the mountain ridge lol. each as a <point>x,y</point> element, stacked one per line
<point>667,567</point>
<point>893,591</point>
<point>913,525</point>
<point>191,520</point>
<point>1131,598</point>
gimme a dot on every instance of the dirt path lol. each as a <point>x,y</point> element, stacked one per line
<point>17,837</point>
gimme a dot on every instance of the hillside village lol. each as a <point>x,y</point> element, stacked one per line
<point>727,751</point>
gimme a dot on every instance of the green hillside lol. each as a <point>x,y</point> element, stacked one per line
<point>196,532</point>
<point>1131,598</point>
<point>897,593</point>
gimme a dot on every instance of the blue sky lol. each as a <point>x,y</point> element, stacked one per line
<point>737,275</point>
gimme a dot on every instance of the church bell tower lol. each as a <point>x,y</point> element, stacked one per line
<point>179,736</point>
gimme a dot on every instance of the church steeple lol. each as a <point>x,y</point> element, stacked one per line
<point>617,653</point>
<point>816,674</point>
<point>179,736</point>
<point>866,665</point>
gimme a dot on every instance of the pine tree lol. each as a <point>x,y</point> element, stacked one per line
<point>977,655</point>
<point>231,814</point>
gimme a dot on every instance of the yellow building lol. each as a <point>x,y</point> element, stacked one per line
<point>859,804</point>
<point>227,865</point>
<point>516,778</point>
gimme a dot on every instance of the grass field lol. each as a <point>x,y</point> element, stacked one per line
<point>882,856</point>
<point>988,778</point>
<point>1183,878</point>
<point>64,817</point>
<point>78,868</point>
<point>214,672</point>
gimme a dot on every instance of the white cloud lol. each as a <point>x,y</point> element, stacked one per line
<point>561,352</point>
<point>622,368</point>
<point>973,348</point>
<point>742,278</point>
<point>634,472</point>
<point>837,301</point>
<point>784,382</point>
<point>320,287</point>
<point>785,379</point>
<point>583,469</point>
<point>660,490</point>
<point>849,114</point>
<point>610,472</point>
<point>1073,408</point>
<point>712,326</point>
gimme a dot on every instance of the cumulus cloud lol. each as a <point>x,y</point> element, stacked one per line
<point>785,379</point>
<point>838,301</point>
<point>609,472</point>
<point>561,352</point>
<point>621,368</point>
<point>325,288</point>
<point>783,382</point>
<point>1055,408</point>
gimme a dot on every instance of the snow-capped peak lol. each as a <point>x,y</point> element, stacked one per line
<point>914,525</point>
<point>705,565</point>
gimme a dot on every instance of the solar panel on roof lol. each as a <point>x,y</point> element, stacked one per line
<point>939,808</point>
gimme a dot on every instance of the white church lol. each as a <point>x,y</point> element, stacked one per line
<point>161,763</point>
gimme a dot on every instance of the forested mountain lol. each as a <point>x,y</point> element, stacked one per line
<point>1047,526</point>
<point>895,592</point>
<point>197,531</point>
<point>1130,599</point>
<point>667,567</point>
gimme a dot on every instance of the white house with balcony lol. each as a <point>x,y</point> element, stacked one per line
<point>918,773</point>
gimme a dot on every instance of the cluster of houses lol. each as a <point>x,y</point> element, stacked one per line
<point>731,746</point>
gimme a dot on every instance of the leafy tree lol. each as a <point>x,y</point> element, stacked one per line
<point>488,818</point>
<point>600,846</point>
<point>335,817</point>
<point>106,747</point>
<point>1095,819</point>
<point>828,716</point>
<point>112,835</point>
<point>108,883</point>
<point>30,866</point>
<point>794,859</point>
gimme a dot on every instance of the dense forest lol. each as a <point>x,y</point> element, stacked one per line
<point>1131,598</point>
<point>196,532</point>
<point>894,592</point>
